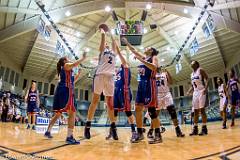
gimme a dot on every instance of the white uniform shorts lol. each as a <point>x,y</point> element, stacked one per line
<point>103,83</point>
<point>164,100</point>
<point>223,102</point>
<point>199,99</point>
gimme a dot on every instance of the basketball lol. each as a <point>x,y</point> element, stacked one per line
<point>104,27</point>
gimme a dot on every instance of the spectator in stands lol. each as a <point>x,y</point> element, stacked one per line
<point>1,107</point>
<point>6,103</point>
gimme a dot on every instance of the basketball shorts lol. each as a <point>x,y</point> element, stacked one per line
<point>122,100</point>
<point>235,98</point>
<point>32,108</point>
<point>223,102</point>
<point>199,99</point>
<point>164,100</point>
<point>147,94</point>
<point>103,84</point>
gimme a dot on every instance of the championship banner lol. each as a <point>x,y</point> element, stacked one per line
<point>41,26</point>
<point>47,32</point>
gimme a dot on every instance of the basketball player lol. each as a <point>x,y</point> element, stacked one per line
<point>165,100</point>
<point>33,101</point>
<point>103,82</point>
<point>223,101</point>
<point>199,87</point>
<point>64,97</point>
<point>122,92</point>
<point>234,95</point>
<point>146,94</point>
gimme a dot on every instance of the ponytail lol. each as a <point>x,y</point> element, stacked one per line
<point>60,64</point>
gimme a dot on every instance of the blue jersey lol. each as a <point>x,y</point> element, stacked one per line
<point>145,72</point>
<point>32,97</point>
<point>123,78</point>
<point>66,78</point>
<point>232,83</point>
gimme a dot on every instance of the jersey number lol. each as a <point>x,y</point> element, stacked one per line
<point>110,60</point>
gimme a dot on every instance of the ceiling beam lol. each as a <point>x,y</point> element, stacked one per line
<point>93,31</point>
<point>4,9</point>
<point>228,5</point>
<point>29,52</point>
<point>19,29</point>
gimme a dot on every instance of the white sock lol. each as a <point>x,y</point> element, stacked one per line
<point>69,132</point>
<point>204,124</point>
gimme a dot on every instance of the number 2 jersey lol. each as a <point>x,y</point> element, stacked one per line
<point>106,64</point>
<point>197,80</point>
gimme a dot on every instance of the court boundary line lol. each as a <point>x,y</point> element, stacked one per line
<point>214,154</point>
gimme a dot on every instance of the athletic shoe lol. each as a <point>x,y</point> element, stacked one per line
<point>48,135</point>
<point>112,134</point>
<point>194,131</point>
<point>28,126</point>
<point>143,130</point>
<point>162,129</point>
<point>72,141</point>
<point>150,133</point>
<point>87,133</point>
<point>233,124</point>
<point>33,127</point>
<point>224,125</point>
<point>204,131</point>
<point>156,139</point>
<point>137,138</point>
<point>179,132</point>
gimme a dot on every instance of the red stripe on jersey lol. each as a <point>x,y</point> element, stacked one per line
<point>126,93</point>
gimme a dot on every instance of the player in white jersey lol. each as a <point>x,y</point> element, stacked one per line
<point>199,87</point>
<point>103,82</point>
<point>223,101</point>
<point>165,100</point>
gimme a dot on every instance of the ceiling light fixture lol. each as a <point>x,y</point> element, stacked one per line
<point>148,6</point>
<point>108,9</point>
<point>68,13</point>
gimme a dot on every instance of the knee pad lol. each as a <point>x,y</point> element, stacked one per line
<point>152,112</point>
<point>172,111</point>
<point>128,113</point>
<point>115,113</point>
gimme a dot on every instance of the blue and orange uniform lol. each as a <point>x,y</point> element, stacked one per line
<point>64,95</point>
<point>122,91</point>
<point>147,93</point>
<point>32,101</point>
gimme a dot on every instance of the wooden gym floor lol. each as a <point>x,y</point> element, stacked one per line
<point>18,143</point>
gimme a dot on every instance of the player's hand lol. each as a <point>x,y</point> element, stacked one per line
<point>124,39</point>
<point>102,31</point>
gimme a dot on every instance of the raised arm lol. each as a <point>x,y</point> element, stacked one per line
<point>169,77</point>
<point>69,66</point>
<point>123,60</point>
<point>134,51</point>
<point>77,76</point>
<point>153,66</point>
<point>103,41</point>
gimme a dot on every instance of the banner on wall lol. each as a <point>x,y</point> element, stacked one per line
<point>41,26</point>
<point>178,67</point>
<point>60,50</point>
<point>47,32</point>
